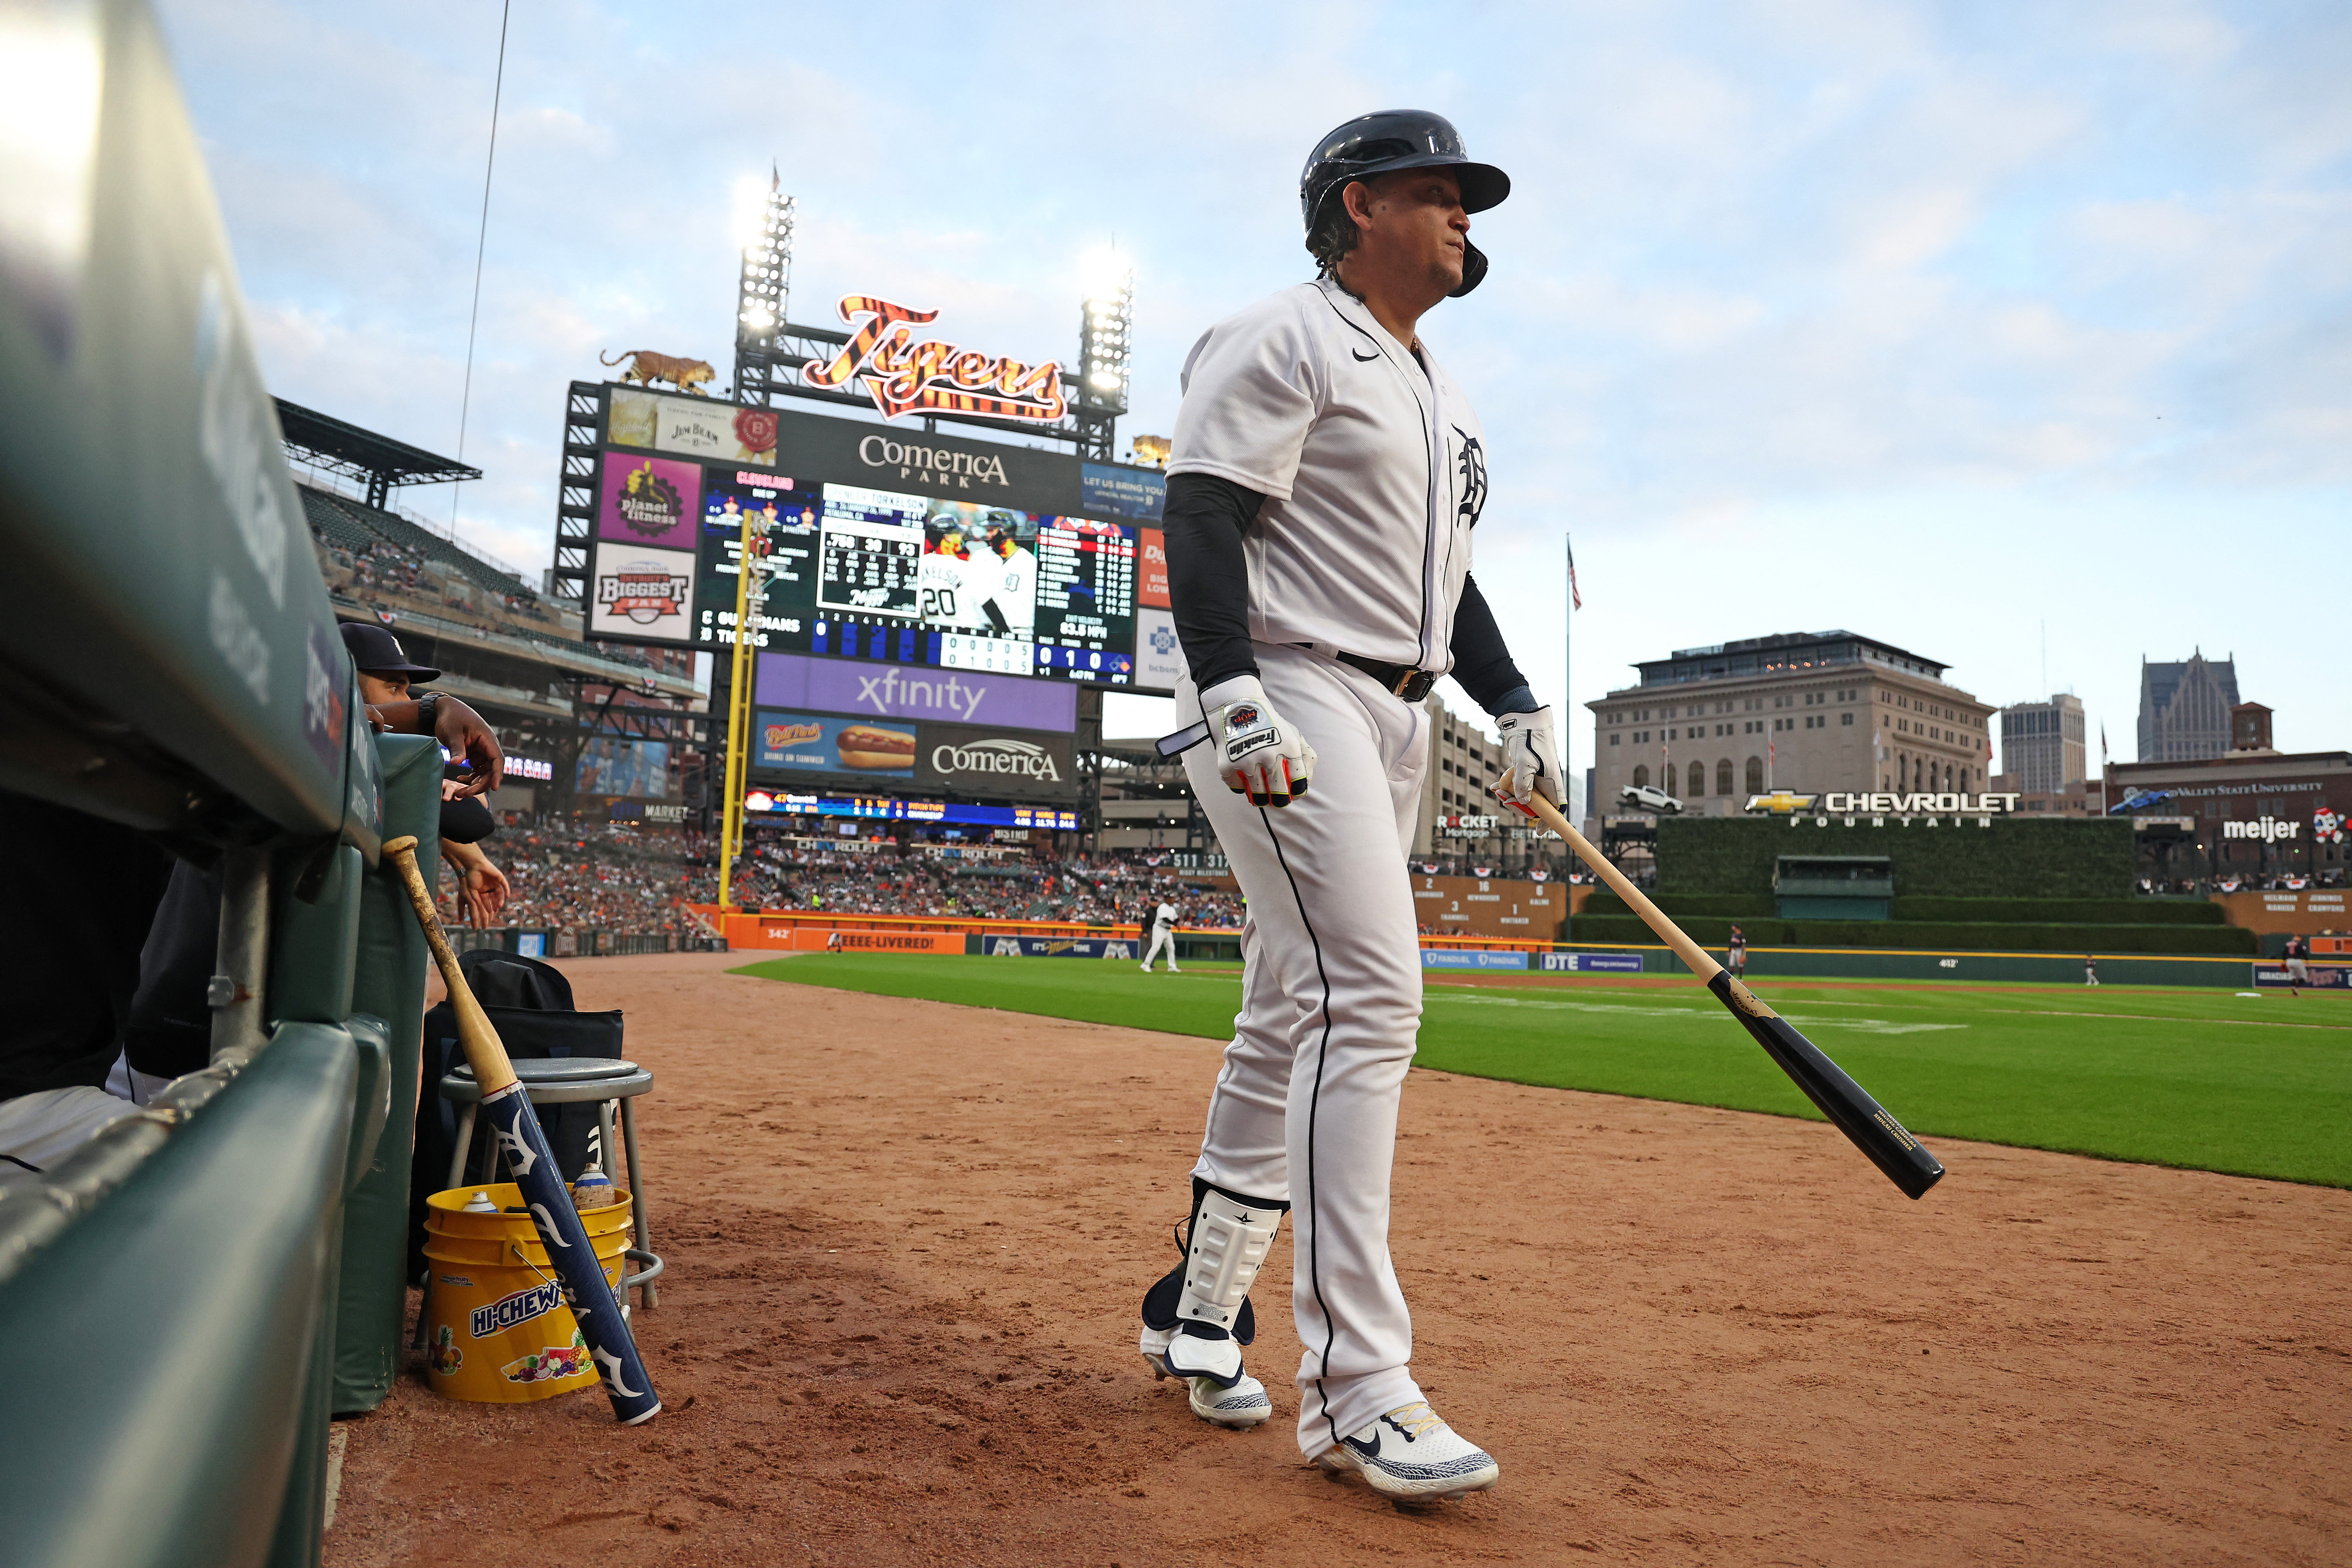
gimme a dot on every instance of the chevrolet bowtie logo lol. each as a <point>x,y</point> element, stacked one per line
<point>1780,800</point>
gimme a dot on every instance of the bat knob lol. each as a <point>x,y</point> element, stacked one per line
<point>401,845</point>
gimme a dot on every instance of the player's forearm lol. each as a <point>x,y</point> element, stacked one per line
<point>1208,574</point>
<point>1482,663</point>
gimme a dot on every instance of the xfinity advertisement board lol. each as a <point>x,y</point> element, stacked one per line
<point>894,691</point>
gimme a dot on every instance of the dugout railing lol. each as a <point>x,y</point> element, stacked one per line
<point>187,1299</point>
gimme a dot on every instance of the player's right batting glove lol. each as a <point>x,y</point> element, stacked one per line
<point>1259,754</point>
<point>1531,757</point>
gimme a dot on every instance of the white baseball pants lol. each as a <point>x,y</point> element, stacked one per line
<point>1306,1106</point>
<point>39,1129</point>
<point>1163,940</point>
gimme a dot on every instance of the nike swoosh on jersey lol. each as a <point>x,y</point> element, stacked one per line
<point>1363,359</point>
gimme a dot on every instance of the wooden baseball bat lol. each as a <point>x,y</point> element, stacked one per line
<point>1846,1103</point>
<point>515,1125</point>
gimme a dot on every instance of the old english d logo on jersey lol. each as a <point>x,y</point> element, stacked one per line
<point>1473,464</point>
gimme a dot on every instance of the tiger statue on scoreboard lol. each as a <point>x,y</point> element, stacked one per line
<point>646,368</point>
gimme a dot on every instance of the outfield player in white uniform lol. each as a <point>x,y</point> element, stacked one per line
<point>1164,936</point>
<point>1325,478</point>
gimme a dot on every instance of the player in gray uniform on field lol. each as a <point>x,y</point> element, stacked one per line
<point>1325,478</point>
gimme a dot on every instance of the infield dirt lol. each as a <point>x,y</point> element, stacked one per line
<point>906,1241</point>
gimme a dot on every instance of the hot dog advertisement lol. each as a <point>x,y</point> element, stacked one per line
<point>830,743</point>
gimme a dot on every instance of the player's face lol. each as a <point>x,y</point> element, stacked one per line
<point>1414,224</point>
<point>950,542</point>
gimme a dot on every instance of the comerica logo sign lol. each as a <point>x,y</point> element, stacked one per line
<point>1017,758</point>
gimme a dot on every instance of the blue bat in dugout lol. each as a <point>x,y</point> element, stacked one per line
<point>516,1126</point>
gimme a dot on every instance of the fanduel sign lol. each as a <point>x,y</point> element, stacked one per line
<point>915,691</point>
<point>1917,805</point>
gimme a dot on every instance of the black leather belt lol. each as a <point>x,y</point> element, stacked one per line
<point>1404,680</point>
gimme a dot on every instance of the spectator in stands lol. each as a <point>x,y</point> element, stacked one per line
<point>387,675</point>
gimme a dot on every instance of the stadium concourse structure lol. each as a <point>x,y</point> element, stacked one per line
<point>588,726</point>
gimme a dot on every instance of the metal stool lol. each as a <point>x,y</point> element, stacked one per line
<point>574,1080</point>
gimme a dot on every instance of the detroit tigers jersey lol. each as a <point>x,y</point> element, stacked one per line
<point>1016,594</point>
<point>949,590</point>
<point>1165,917</point>
<point>1373,463</point>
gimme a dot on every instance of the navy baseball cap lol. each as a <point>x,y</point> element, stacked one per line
<point>375,649</point>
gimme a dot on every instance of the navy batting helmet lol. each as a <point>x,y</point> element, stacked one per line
<point>1398,138</point>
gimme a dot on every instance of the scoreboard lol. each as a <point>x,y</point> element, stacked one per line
<point>866,558</point>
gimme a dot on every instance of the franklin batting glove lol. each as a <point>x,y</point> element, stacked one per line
<point>1258,753</point>
<point>1532,759</point>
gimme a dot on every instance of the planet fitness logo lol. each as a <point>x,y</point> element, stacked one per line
<point>648,504</point>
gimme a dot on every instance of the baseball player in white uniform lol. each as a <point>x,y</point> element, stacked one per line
<point>950,585</point>
<point>1164,937</point>
<point>1325,478</point>
<point>1017,583</point>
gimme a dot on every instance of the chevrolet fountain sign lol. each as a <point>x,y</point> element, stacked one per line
<point>1917,805</point>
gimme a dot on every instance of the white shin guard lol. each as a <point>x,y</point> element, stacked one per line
<point>1228,1244</point>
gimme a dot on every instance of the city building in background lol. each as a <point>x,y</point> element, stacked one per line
<point>1806,711</point>
<point>2184,708</point>
<point>2250,728</point>
<point>2247,816</point>
<point>2042,750</point>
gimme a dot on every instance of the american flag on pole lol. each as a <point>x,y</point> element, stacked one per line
<point>1575,595</point>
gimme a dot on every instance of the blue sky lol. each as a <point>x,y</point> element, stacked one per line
<point>1940,323</point>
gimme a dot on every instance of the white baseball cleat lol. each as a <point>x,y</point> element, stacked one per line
<point>1242,1404</point>
<point>1411,1456</point>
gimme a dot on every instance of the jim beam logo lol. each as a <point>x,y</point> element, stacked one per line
<point>643,590</point>
<point>1013,758</point>
<point>649,504</point>
<point>904,376</point>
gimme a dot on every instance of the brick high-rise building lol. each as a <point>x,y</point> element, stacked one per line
<point>1809,711</point>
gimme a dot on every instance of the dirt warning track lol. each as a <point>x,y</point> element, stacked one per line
<point>906,1242</point>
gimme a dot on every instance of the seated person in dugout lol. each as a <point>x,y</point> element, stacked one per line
<point>125,939</point>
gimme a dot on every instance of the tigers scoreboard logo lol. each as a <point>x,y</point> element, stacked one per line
<point>902,375</point>
<point>644,591</point>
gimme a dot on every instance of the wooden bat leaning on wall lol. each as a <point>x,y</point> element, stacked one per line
<point>515,1125</point>
<point>1848,1106</point>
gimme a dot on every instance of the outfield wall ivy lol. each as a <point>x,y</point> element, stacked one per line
<point>2013,858</point>
<point>1947,936</point>
<point>2019,911</point>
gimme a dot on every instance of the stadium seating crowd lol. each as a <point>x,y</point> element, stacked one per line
<point>620,878</point>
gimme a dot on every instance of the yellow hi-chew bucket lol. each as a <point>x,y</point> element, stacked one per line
<point>497,1330</point>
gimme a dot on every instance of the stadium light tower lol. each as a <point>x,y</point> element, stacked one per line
<point>765,222</point>
<point>1106,333</point>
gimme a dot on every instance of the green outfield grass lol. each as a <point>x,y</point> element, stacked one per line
<point>2251,1086</point>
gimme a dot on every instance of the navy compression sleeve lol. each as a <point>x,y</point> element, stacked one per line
<point>1481,662</point>
<point>1208,578</point>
